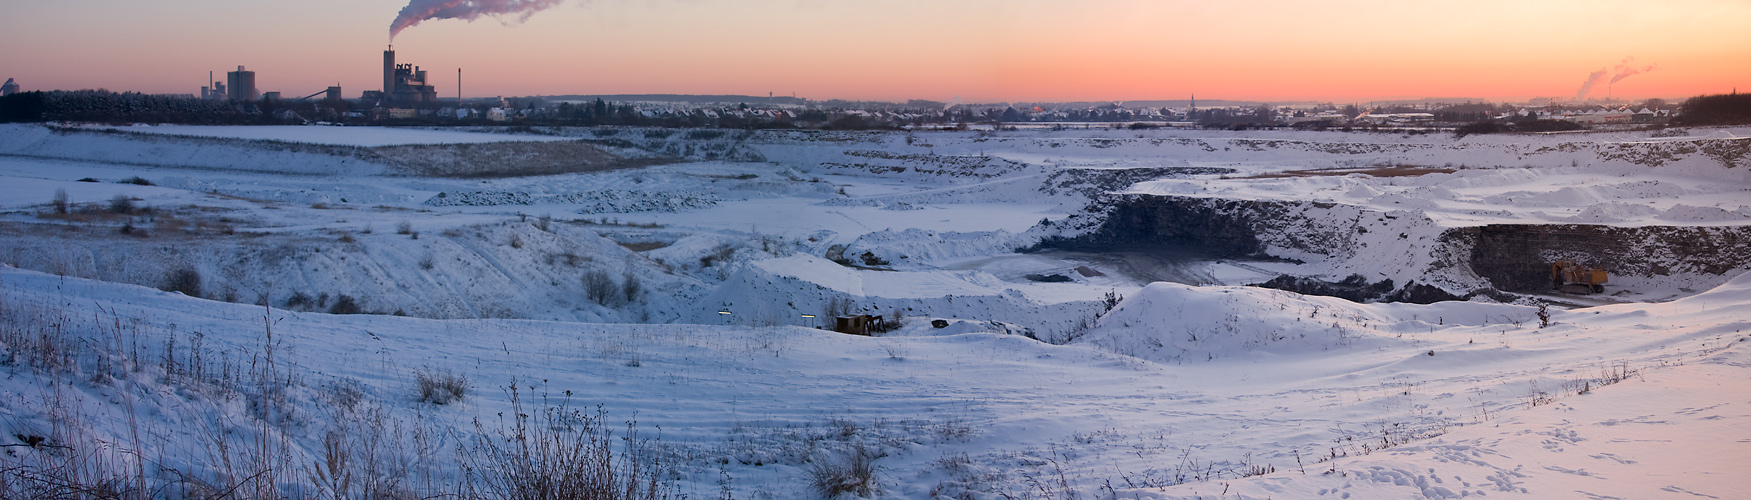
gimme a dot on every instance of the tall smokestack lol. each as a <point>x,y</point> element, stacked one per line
<point>389,71</point>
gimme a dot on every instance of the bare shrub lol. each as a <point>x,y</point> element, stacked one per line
<point>836,307</point>
<point>404,227</point>
<point>440,387</point>
<point>345,305</point>
<point>516,241</point>
<point>185,280</point>
<point>562,453</point>
<point>121,204</point>
<point>895,351</point>
<point>60,201</point>
<point>720,254</point>
<point>631,287</point>
<point>598,286</point>
<point>852,473</point>
<point>299,300</point>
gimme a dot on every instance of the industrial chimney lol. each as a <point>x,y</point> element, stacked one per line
<point>389,71</point>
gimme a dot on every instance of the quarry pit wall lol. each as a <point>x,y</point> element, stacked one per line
<point>1441,264</point>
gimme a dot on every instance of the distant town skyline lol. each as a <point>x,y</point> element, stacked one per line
<point>967,50</point>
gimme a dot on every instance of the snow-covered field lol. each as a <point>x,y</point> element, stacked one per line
<point>685,296</point>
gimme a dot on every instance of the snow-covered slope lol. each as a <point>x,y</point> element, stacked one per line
<point>1177,391</point>
<point>31,140</point>
<point>779,291</point>
<point>1487,404</point>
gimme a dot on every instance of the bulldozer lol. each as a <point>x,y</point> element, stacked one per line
<point>1567,277</point>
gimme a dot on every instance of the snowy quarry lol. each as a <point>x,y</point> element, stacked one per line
<point>191,310</point>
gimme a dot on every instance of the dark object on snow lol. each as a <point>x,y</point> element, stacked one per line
<point>1048,278</point>
<point>939,323</point>
<point>861,324</point>
<point>870,259</point>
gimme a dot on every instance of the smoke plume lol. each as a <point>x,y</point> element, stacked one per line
<point>1593,79</point>
<point>418,11</point>
<point>1624,70</point>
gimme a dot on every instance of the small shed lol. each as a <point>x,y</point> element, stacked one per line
<point>862,324</point>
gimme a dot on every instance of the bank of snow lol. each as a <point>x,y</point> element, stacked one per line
<point>333,136</point>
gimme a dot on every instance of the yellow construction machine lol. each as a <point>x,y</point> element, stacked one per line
<point>1568,277</point>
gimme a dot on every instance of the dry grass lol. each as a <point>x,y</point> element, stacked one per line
<point>561,453</point>
<point>440,387</point>
<point>852,473</point>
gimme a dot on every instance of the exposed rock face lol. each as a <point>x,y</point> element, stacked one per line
<point>1358,289</point>
<point>1517,257</point>
<point>1199,226</point>
<point>1384,248</point>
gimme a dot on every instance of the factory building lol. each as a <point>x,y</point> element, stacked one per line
<point>214,92</point>
<point>405,84</point>
<point>242,85</point>
<point>11,87</point>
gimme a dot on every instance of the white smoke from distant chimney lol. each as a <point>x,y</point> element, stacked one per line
<point>417,11</point>
<point>1624,70</point>
<point>1593,79</point>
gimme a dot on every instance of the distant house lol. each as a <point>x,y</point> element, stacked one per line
<point>1645,115</point>
<point>1601,116</point>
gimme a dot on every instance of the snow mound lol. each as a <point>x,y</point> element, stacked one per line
<point>1170,322</point>
<point>926,246</point>
<point>1687,213</point>
<point>1734,291</point>
<point>1612,212</point>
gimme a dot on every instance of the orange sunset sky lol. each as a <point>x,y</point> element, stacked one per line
<point>976,50</point>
